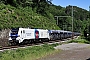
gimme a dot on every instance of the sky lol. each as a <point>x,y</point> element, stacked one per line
<point>79,3</point>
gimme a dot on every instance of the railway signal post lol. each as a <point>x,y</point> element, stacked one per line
<point>72,23</point>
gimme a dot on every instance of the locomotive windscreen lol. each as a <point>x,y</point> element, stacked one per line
<point>14,33</point>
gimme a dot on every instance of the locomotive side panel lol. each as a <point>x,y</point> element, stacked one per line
<point>28,34</point>
<point>43,33</point>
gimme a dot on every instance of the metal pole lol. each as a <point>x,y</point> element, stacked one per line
<point>72,23</point>
<point>57,20</point>
<point>60,16</point>
<point>89,21</point>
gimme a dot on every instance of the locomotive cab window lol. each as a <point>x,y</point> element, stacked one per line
<point>23,31</point>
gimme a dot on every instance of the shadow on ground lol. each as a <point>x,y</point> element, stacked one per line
<point>88,59</point>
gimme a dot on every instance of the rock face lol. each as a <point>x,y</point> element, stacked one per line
<point>4,35</point>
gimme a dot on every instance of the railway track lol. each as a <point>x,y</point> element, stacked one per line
<point>4,48</point>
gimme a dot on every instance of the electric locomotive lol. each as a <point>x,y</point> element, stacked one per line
<point>27,35</point>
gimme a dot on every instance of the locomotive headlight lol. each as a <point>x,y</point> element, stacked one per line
<point>18,35</point>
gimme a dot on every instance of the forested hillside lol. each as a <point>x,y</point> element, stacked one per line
<point>14,14</point>
<point>41,14</point>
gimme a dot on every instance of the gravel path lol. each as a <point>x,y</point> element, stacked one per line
<point>71,46</point>
<point>71,51</point>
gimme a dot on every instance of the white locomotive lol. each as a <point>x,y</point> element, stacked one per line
<point>27,35</point>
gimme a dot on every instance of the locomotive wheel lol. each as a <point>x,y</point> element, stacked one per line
<point>13,43</point>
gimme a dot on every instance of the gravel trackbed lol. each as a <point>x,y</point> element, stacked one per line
<point>71,51</point>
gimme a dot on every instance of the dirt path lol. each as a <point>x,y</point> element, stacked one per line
<point>71,51</point>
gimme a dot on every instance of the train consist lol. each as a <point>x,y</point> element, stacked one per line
<point>28,35</point>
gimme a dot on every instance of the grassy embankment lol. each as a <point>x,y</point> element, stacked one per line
<point>30,53</point>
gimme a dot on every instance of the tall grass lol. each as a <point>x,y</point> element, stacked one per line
<point>30,53</point>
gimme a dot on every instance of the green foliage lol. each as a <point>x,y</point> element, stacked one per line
<point>17,3</point>
<point>30,53</point>
<point>81,17</point>
<point>80,41</point>
<point>11,17</point>
<point>89,32</point>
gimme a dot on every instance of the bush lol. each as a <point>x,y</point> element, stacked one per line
<point>80,41</point>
